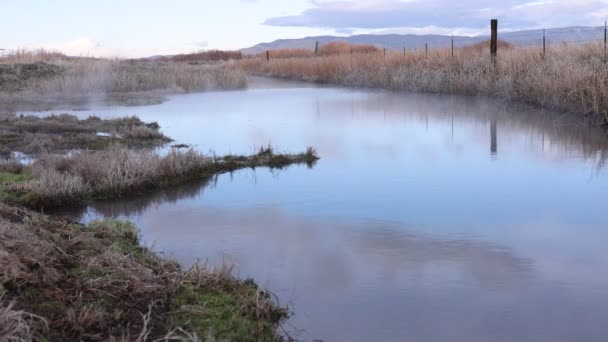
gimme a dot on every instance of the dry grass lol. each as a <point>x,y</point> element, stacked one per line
<point>205,56</point>
<point>25,56</point>
<point>70,179</point>
<point>16,325</point>
<point>330,49</point>
<point>570,78</point>
<point>58,133</point>
<point>65,281</point>
<point>72,79</point>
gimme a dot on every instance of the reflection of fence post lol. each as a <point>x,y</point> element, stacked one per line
<point>267,56</point>
<point>494,39</point>
<point>493,139</point>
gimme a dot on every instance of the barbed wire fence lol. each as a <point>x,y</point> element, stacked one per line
<point>545,40</point>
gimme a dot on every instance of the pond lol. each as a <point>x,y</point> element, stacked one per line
<point>428,217</point>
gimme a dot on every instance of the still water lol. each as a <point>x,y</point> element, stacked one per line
<point>428,218</point>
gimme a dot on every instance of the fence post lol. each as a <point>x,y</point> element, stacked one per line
<point>605,41</point>
<point>452,45</point>
<point>267,56</point>
<point>404,51</point>
<point>317,48</point>
<point>494,39</point>
<point>426,48</point>
<point>544,43</point>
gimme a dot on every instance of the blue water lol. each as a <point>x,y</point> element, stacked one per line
<point>413,226</point>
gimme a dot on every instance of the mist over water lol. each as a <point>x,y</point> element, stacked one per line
<point>428,217</point>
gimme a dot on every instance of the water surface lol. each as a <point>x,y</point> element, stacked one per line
<point>428,218</point>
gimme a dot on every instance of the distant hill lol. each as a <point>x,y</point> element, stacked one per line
<point>578,34</point>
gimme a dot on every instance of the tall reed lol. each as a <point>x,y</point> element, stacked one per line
<point>570,78</point>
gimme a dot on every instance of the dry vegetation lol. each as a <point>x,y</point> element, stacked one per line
<point>570,78</point>
<point>61,280</point>
<point>60,180</point>
<point>35,135</point>
<point>330,49</point>
<point>48,77</point>
<point>206,56</point>
<point>64,281</point>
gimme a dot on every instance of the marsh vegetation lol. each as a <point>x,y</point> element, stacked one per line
<point>61,280</point>
<point>42,77</point>
<point>64,280</point>
<point>571,78</point>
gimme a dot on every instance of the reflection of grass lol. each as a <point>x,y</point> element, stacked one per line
<point>65,281</point>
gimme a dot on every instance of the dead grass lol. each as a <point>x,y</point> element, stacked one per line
<point>65,281</point>
<point>57,133</point>
<point>204,57</point>
<point>56,80</point>
<point>60,180</point>
<point>16,325</point>
<point>570,78</point>
<point>329,49</point>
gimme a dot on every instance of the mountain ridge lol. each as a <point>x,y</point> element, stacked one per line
<point>572,34</point>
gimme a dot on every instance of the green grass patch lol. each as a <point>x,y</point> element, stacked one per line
<point>8,195</point>
<point>228,313</point>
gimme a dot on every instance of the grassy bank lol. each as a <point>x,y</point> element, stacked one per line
<point>65,281</point>
<point>572,79</point>
<point>60,133</point>
<point>42,77</point>
<point>66,180</point>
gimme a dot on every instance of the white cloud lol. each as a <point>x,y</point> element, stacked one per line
<point>466,15</point>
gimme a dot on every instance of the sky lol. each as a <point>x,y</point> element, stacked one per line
<point>138,28</point>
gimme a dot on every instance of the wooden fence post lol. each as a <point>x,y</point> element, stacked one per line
<point>317,48</point>
<point>267,56</point>
<point>605,41</point>
<point>452,45</point>
<point>544,43</point>
<point>426,48</point>
<point>494,39</point>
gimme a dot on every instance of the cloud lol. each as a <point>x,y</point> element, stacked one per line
<point>467,14</point>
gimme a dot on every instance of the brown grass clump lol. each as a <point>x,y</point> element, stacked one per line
<point>329,49</point>
<point>65,281</point>
<point>16,325</point>
<point>70,179</point>
<point>25,56</point>
<point>57,133</point>
<point>569,78</point>
<point>339,48</point>
<point>205,56</point>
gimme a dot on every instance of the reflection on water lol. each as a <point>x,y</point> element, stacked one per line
<point>428,218</point>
